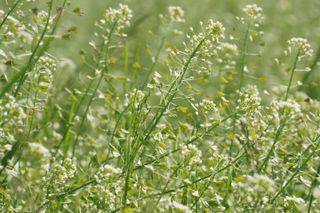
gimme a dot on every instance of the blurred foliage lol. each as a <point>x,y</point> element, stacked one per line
<point>283,19</point>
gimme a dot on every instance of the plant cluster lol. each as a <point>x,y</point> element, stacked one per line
<point>184,130</point>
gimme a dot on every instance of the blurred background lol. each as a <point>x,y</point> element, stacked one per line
<point>283,20</point>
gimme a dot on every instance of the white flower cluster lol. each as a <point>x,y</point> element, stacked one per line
<point>42,79</point>
<point>215,29</point>
<point>227,55</point>
<point>63,172</point>
<point>136,97</point>
<point>289,109</point>
<point>117,19</point>
<point>106,172</point>
<point>302,46</point>
<point>298,202</point>
<point>15,36</point>
<point>12,118</point>
<point>206,106</point>
<point>41,154</point>
<point>108,189</point>
<point>229,50</point>
<point>211,37</point>
<point>40,21</point>
<point>193,154</point>
<point>176,14</point>
<point>160,134</point>
<point>253,12</point>
<point>261,184</point>
<point>39,149</point>
<point>105,196</point>
<point>249,189</point>
<point>249,99</point>
<point>169,205</point>
<point>43,72</point>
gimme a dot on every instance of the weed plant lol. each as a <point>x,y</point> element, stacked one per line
<point>178,118</point>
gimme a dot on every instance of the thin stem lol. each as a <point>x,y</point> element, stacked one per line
<point>205,177</point>
<point>173,88</point>
<point>297,170</point>
<point>105,70</point>
<point>126,65</point>
<point>90,182</point>
<point>276,139</point>
<point>68,129</point>
<point>167,100</point>
<point>36,52</point>
<point>9,13</point>
<point>312,69</point>
<point>33,55</point>
<point>244,52</point>
<point>313,185</point>
<point>291,76</point>
<point>66,193</point>
<point>153,64</point>
<point>192,140</point>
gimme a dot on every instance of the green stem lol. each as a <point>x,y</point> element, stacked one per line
<point>22,73</point>
<point>90,182</point>
<point>153,64</point>
<point>172,92</point>
<point>37,52</point>
<point>275,141</point>
<point>244,54</point>
<point>182,186</point>
<point>105,70</point>
<point>291,75</point>
<point>313,185</point>
<point>126,65</point>
<point>296,172</point>
<point>191,141</point>
<point>165,103</point>
<point>66,193</point>
<point>67,138</point>
<point>68,129</point>
<point>8,13</point>
<point>312,69</point>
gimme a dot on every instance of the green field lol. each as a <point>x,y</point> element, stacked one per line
<point>159,106</point>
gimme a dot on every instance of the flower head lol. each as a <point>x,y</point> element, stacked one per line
<point>117,19</point>
<point>215,29</point>
<point>176,14</point>
<point>253,12</point>
<point>302,46</point>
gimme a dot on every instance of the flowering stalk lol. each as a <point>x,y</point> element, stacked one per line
<point>167,100</point>
<point>254,16</point>
<point>102,73</point>
<point>118,19</point>
<point>303,49</point>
